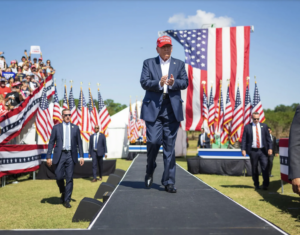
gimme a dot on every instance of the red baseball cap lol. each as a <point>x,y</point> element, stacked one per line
<point>164,40</point>
<point>40,59</point>
<point>16,84</point>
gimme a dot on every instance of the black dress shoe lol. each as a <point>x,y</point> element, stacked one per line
<point>67,205</point>
<point>62,198</point>
<point>170,188</point>
<point>148,180</point>
<point>257,187</point>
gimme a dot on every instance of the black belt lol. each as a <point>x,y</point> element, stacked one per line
<point>165,96</point>
<point>255,149</point>
<point>66,151</point>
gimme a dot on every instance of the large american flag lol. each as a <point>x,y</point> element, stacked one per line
<point>212,54</point>
<point>104,117</point>
<point>72,106</point>
<point>237,121</point>
<point>211,116</point>
<point>57,118</point>
<point>65,102</point>
<point>43,121</point>
<point>93,112</point>
<point>14,121</point>
<point>257,105</point>
<point>83,118</point>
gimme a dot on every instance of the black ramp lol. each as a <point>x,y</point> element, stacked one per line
<point>195,209</point>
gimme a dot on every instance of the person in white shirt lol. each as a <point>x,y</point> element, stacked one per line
<point>257,143</point>
<point>26,70</point>
<point>97,150</point>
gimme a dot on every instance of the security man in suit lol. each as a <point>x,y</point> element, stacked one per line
<point>162,77</point>
<point>66,138</point>
<point>274,151</point>
<point>294,152</point>
<point>257,144</point>
<point>97,150</point>
<point>203,140</point>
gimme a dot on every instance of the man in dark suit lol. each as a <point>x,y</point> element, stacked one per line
<point>203,140</point>
<point>162,77</point>
<point>294,152</point>
<point>66,138</point>
<point>97,150</point>
<point>257,144</point>
<point>274,151</point>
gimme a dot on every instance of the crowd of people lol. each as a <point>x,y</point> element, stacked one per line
<point>20,79</point>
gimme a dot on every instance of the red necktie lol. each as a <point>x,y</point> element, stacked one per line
<point>257,138</point>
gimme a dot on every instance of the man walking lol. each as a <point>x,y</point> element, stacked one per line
<point>203,140</point>
<point>257,144</point>
<point>274,151</point>
<point>162,77</point>
<point>97,150</point>
<point>66,137</point>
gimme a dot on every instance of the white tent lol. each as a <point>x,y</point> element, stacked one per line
<point>117,142</point>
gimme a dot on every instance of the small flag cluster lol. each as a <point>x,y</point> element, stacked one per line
<point>86,116</point>
<point>229,123</point>
<point>136,126</point>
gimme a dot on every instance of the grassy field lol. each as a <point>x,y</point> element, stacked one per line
<point>35,204</point>
<point>282,210</point>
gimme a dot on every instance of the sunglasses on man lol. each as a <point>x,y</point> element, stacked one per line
<point>67,115</point>
<point>255,119</point>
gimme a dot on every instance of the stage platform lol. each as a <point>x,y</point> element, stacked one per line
<point>195,209</point>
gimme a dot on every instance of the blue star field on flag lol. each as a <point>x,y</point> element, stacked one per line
<point>256,98</point>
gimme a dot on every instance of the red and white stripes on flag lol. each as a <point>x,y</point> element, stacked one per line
<point>144,130</point>
<point>57,118</point>
<point>211,117</point>
<point>14,121</point>
<point>16,159</point>
<point>284,158</point>
<point>43,120</point>
<point>213,54</point>
<point>248,107</point>
<point>133,128</point>
<point>227,118</point>
<point>72,106</point>
<point>83,118</point>
<point>237,121</point>
<point>220,115</point>
<point>93,112</point>
<point>104,117</point>
<point>257,105</point>
<point>65,101</point>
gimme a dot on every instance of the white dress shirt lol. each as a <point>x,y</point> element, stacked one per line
<point>254,144</point>
<point>165,66</point>
<point>96,137</point>
<point>67,127</point>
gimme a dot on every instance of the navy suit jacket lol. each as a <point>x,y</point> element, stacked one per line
<point>56,138</point>
<point>150,78</point>
<point>207,141</point>
<point>248,138</point>
<point>101,145</point>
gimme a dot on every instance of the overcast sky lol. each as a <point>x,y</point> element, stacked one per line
<point>107,41</point>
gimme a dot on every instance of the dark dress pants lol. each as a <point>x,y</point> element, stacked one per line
<point>163,131</point>
<point>261,156</point>
<point>65,169</point>
<point>271,159</point>
<point>97,162</point>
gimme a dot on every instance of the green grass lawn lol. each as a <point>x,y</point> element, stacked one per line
<point>35,204</point>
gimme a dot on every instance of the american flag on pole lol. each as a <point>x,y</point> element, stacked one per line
<point>93,112</point>
<point>133,128</point>
<point>83,118</point>
<point>129,122</point>
<point>248,107</point>
<point>220,113</point>
<point>104,117</point>
<point>257,105</point>
<point>204,107</point>
<point>14,121</point>
<point>211,117</point>
<point>237,121</point>
<point>72,106</point>
<point>65,102</point>
<point>57,118</point>
<point>212,54</point>
<point>227,118</point>
<point>43,121</point>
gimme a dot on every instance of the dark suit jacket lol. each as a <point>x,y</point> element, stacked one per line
<point>56,139</point>
<point>248,138</point>
<point>207,141</point>
<point>101,145</point>
<point>151,75</point>
<point>294,147</point>
<point>274,144</point>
